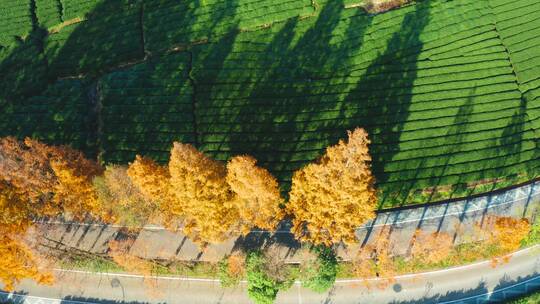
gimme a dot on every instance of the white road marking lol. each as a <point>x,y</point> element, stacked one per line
<point>490,293</point>
<point>340,281</point>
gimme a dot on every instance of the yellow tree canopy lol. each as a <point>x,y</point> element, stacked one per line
<point>26,167</point>
<point>75,192</point>
<point>329,199</point>
<point>18,262</point>
<point>16,212</point>
<point>152,180</point>
<point>198,184</point>
<point>257,194</point>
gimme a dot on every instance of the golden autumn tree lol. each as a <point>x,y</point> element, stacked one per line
<point>27,167</point>
<point>18,259</point>
<point>257,196</point>
<point>151,178</point>
<point>36,180</point>
<point>432,247</point>
<point>75,193</point>
<point>16,211</point>
<point>332,197</point>
<point>198,184</point>
<point>125,203</point>
<point>19,262</point>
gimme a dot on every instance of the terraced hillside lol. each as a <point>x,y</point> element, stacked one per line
<point>448,90</point>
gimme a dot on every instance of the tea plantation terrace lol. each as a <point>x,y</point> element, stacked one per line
<point>449,91</point>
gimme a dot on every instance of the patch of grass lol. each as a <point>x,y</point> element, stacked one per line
<point>164,268</point>
<point>90,263</point>
<point>533,298</point>
<point>58,27</point>
<point>534,236</point>
<point>192,270</point>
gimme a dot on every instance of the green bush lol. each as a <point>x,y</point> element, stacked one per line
<point>262,287</point>
<point>534,236</point>
<point>320,274</point>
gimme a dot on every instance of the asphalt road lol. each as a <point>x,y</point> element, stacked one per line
<point>476,283</point>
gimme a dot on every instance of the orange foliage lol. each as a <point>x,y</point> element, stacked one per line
<point>504,234</point>
<point>26,167</point>
<point>431,247</point>
<point>75,192</point>
<point>37,180</point>
<point>119,252</point>
<point>16,211</point>
<point>375,260</point>
<point>18,262</point>
<point>331,198</point>
<point>236,265</point>
<point>257,194</point>
<point>198,184</point>
<point>150,178</point>
<point>507,232</point>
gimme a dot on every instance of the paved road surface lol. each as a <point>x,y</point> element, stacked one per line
<point>477,283</point>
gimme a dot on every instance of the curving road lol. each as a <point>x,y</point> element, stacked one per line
<point>475,283</point>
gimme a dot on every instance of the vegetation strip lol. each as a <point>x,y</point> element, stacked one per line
<point>337,281</point>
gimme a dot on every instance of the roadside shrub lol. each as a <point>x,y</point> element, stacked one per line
<point>262,286</point>
<point>534,235</point>
<point>319,275</point>
<point>231,270</point>
<point>431,248</point>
